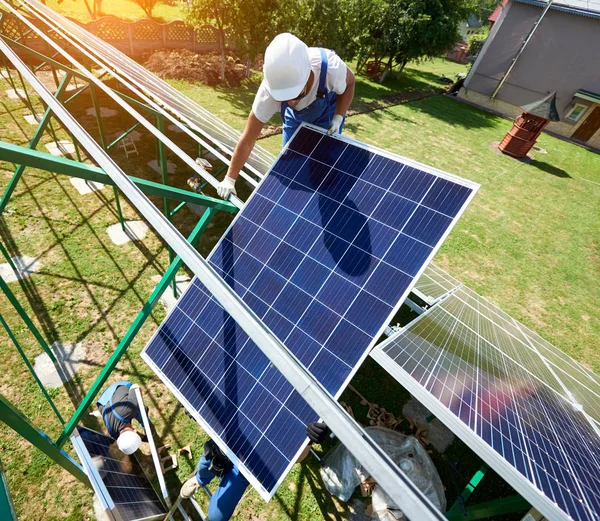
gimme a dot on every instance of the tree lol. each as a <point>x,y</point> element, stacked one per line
<point>93,10</point>
<point>147,6</point>
<point>220,13</point>
<point>409,30</point>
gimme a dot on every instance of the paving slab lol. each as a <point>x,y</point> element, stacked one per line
<point>134,231</point>
<point>25,267</point>
<point>64,147</point>
<point>68,358</point>
<point>15,94</point>
<point>171,168</point>
<point>174,128</point>
<point>33,119</point>
<point>167,299</point>
<point>104,112</point>
<point>85,187</point>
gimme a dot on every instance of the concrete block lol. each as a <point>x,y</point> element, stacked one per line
<point>64,147</point>
<point>25,266</point>
<point>68,358</point>
<point>15,94</point>
<point>167,299</point>
<point>174,128</point>
<point>85,187</point>
<point>33,119</point>
<point>134,231</point>
<point>104,112</point>
<point>156,167</point>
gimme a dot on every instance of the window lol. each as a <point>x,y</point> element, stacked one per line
<point>576,112</point>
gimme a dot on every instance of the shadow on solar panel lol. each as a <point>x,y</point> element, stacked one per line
<point>122,487</point>
<point>324,252</point>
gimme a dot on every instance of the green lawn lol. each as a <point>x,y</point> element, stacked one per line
<point>126,10</point>
<point>528,242</point>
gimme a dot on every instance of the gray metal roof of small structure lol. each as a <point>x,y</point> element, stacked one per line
<point>543,108</point>
<point>587,8</point>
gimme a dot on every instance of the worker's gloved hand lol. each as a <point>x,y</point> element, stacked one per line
<point>336,123</point>
<point>317,432</point>
<point>226,187</point>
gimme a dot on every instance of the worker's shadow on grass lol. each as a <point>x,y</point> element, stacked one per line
<point>549,169</point>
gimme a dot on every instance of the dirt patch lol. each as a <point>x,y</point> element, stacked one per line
<point>190,66</point>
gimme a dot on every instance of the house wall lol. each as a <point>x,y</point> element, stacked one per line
<point>562,56</point>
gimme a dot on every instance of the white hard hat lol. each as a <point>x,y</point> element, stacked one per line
<point>128,442</point>
<point>287,67</point>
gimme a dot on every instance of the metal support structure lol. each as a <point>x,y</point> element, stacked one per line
<point>17,421</point>
<point>133,330</point>
<point>374,459</point>
<point>522,49</point>
<point>62,165</point>
<point>7,509</point>
<point>7,257</point>
<point>31,370</point>
<point>23,314</point>
<point>32,145</point>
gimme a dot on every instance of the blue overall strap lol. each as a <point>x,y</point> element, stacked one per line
<point>110,408</point>
<point>322,91</point>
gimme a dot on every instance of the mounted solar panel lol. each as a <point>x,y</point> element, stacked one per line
<point>324,252</point>
<point>162,92</point>
<point>529,410</point>
<point>118,480</point>
<point>433,284</point>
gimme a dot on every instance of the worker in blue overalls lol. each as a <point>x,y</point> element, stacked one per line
<point>303,83</point>
<point>214,464</point>
<point>118,407</point>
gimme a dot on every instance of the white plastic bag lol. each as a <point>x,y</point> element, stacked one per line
<point>342,473</point>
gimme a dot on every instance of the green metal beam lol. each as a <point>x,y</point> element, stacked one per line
<point>17,421</point>
<point>23,314</point>
<point>61,165</point>
<point>22,48</point>
<point>34,143</point>
<point>133,330</point>
<point>31,370</point>
<point>7,509</point>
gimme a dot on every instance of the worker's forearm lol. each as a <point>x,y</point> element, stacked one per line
<point>240,156</point>
<point>343,101</point>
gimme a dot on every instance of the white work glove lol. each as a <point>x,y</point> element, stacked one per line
<point>226,187</point>
<point>336,123</point>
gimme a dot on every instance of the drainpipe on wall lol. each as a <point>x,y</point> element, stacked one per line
<point>522,49</point>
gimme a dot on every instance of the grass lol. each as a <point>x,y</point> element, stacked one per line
<point>126,10</point>
<point>528,242</point>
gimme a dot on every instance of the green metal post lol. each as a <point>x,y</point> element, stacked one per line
<point>457,508</point>
<point>7,257</point>
<point>7,509</point>
<point>32,145</point>
<point>33,373</point>
<point>17,421</point>
<point>133,330</point>
<point>23,314</point>
<point>496,507</point>
<point>164,172</point>
<point>123,135</point>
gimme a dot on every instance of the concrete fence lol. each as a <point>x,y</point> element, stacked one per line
<point>133,38</point>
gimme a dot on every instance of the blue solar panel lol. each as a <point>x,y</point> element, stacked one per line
<point>324,252</point>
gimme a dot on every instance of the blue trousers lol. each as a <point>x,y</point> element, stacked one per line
<point>227,496</point>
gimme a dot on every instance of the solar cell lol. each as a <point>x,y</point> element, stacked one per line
<point>117,479</point>
<point>324,252</point>
<point>434,283</point>
<point>513,397</point>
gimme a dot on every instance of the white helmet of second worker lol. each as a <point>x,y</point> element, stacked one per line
<point>128,442</point>
<point>287,67</point>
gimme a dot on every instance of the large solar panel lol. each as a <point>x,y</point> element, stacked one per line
<point>529,410</point>
<point>324,252</point>
<point>162,92</point>
<point>434,283</point>
<point>119,481</point>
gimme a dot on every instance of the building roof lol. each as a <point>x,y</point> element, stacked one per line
<point>543,108</point>
<point>587,8</point>
<point>494,16</point>
<point>473,22</point>
<point>588,95</point>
